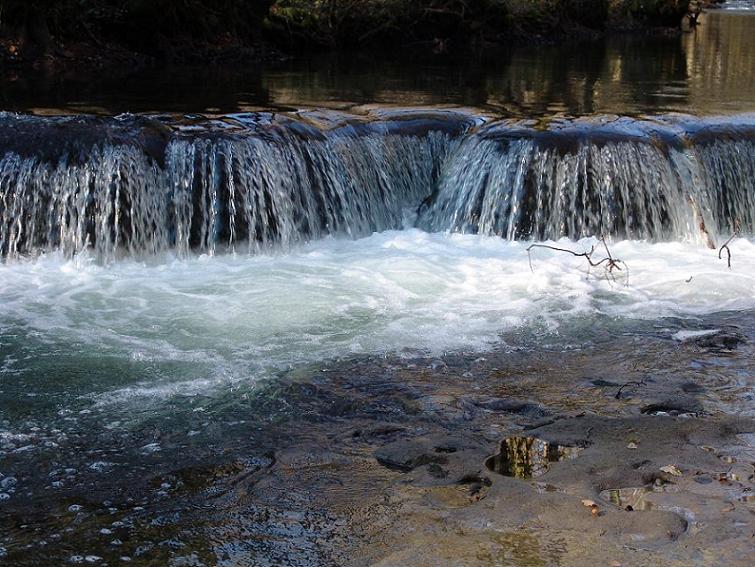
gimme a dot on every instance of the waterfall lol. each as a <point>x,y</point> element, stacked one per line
<point>136,185</point>
<point>215,192</point>
<point>649,182</point>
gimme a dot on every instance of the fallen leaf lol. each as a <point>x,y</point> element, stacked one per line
<point>672,469</point>
<point>589,503</point>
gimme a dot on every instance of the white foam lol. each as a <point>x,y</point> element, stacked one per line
<point>687,335</point>
<point>400,291</point>
<point>739,5</point>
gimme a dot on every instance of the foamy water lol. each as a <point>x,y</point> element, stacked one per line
<point>739,5</point>
<point>193,325</point>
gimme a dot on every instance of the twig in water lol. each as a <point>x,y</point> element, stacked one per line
<point>728,250</point>
<point>609,263</point>
<point>642,382</point>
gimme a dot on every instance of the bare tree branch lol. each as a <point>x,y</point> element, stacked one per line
<point>609,263</point>
<point>728,250</point>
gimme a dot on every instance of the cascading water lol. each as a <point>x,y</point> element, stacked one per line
<point>276,185</point>
<point>133,186</point>
<point>122,341</point>
<point>640,180</point>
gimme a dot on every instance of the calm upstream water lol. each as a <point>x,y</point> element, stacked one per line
<point>707,72</point>
<point>161,272</point>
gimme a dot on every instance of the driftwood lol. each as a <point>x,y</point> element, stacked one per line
<point>641,383</point>
<point>728,250</point>
<point>608,263</point>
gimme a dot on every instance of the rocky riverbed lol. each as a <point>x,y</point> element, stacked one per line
<point>634,449</point>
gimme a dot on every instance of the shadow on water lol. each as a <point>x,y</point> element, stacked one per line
<point>707,71</point>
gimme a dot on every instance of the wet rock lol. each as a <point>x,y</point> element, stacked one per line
<point>600,383</point>
<point>379,432</point>
<point>436,471</point>
<point>524,408</point>
<point>713,340</point>
<point>445,407</point>
<point>50,138</point>
<point>692,388</point>
<point>405,456</point>
<point>681,406</point>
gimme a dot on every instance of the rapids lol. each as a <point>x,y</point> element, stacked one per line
<point>172,326</point>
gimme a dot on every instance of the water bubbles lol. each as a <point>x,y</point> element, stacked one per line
<point>150,448</point>
<point>100,466</point>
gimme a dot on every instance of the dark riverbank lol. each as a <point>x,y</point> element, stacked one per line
<point>101,33</point>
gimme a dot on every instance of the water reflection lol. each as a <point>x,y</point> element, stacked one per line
<point>708,71</point>
<point>720,63</point>
<point>528,457</point>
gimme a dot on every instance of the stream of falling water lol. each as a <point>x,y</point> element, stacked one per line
<point>279,184</point>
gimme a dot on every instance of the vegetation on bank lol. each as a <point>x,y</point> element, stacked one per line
<point>160,27</point>
<point>349,22</point>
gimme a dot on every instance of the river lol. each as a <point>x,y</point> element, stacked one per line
<point>223,290</point>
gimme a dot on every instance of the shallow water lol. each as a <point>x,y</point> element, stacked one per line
<point>189,326</point>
